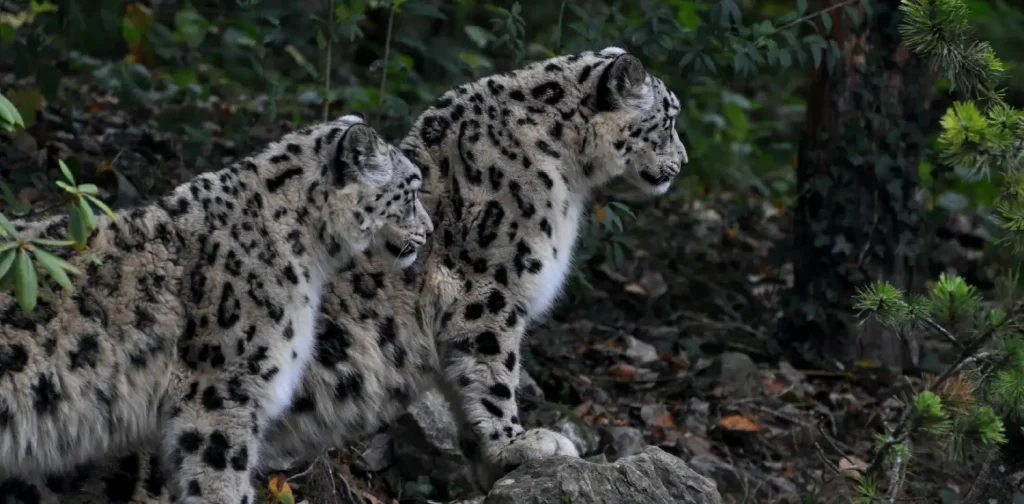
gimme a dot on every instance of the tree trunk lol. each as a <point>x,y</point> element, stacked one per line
<point>857,217</point>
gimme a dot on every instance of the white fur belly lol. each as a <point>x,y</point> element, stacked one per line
<point>289,378</point>
<point>556,269</point>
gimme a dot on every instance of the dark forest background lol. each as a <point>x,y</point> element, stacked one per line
<point>721,322</point>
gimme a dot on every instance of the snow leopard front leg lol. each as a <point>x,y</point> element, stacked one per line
<point>210,444</point>
<point>479,348</point>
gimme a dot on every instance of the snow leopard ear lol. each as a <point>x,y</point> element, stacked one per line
<point>361,157</point>
<point>621,83</point>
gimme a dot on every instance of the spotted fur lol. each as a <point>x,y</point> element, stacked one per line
<point>510,163</point>
<point>194,331</point>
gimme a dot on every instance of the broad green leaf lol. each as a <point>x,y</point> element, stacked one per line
<point>27,102</point>
<point>191,26</point>
<point>103,206</point>
<point>52,243</point>
<point>26,283</point>
<point>53,266</point>
<point>686,15</point>
<point>67,172</point>
<point>478,35</point>
<point>7,226</point>
<point>88,216</point>
<point>7,281</point>
<point>9,113</point>
<point>6,260</point>
<point>8,246</point>
<point>88,188</point>
<point>8,194</point>
<point>76,226</point>
<point>826,21</point>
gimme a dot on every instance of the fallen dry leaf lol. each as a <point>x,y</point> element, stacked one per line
<point>622,371</point>
<point>583,408</point>
<point>773,386</point>
<point>738,423</point>
<point>665,421</point>
<point>280,489</point>
<point>635,288</point>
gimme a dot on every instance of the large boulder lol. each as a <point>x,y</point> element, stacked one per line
<point>651,477</point>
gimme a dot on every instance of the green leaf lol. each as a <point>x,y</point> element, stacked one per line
<point>853,15</point>
<point>8,193</point>
<point>9,113</point>
<point>88,216</point>
<point>103,206</point>
<point>26,283</point>
<point>67,172</point>
<point>52,243</point>
<point>801,6</point>
<point>55,268</point>
<point>6,260</point>
<point>67,187</point>
<point>94,258</point>
<point>76,226</point>
<point>686,14</point>
<point>88,188</point>
<point>826,21</point>
<point>191,26</point>
<point>26,102</point>
<point>7,226</point>
<point>816,55</point>
<point>478,35</point>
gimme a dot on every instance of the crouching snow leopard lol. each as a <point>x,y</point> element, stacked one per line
<point>196,328</point>
<point>510,163</point>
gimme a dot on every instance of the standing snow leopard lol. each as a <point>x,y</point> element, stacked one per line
<point>196,328</point>
<point>510,163</point>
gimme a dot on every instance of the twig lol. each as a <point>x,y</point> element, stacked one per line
<point>942,330</point>
<point>898,435</point>
<point>387,55</point>
<point>801,19</point>
<point>719,324</point>
<point>895,478</point>
<point>327,64</point>
<point>561,12</point>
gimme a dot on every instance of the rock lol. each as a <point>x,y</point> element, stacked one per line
<point>425,443</point>
<point>652,477</point>
<point>732,479</point>
<point>617,441</point>
<point>378,455</point>
<point>639,352</point>
<point>579,432</point>
<point>725,475</point>
<point>737,371</point>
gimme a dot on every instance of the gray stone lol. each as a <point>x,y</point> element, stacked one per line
<point>652,477</point>
<point>619,441</point>
<point>424,441</point>
<point>579,432</point>
<point>378,454</point>
<point>738,371</point>
<point>640,352</point>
